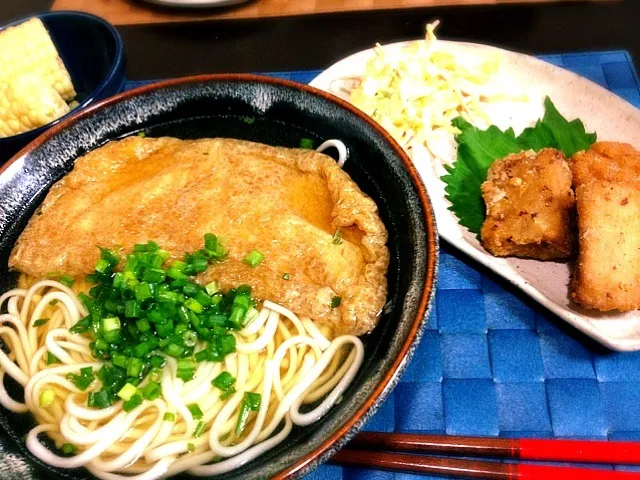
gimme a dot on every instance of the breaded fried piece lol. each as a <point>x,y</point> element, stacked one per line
<point>607,274</point>
<point>610,161</point>
<point>529,206</point>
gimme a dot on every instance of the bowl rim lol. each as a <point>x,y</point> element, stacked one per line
<point>427,296</point>
<point>115,67</point>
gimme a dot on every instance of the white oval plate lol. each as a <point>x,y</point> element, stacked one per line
<point>575,97</point>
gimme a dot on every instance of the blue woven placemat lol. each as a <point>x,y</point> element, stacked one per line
<point>491,363</point>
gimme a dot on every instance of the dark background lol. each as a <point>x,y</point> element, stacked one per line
<point>315,42</point>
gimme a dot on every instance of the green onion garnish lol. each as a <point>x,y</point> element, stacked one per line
<point>254,258</point>
<point>191,447</point>
<point>194,408</point>
<point>306,143</point>
<point>53,302</point>
<point>132,403</point>
<point>169,417</point>
<point>67,280</point>
<point>286,276</point>
<point>127,392</point>
<point>337,237</point>
<point>146,310</point>
<point>224,381</point>
<point>199,429</point>
<point>83,380</point>
<point>68,448</point>
<point>228,393</point>
<point>336,301</point>
<point>186,368</point>
<point>46,398</point>
<point>100,399</point>
<point>250,403</point>
<point>51,358</point>
<point>40,322</point>
<point>151,391</point>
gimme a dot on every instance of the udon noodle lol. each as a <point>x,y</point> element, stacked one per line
<point>290,361</point>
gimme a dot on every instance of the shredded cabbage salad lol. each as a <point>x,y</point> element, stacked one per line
<point>416,91</point>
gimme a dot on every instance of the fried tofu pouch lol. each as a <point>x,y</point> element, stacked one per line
<point>530,206</point>
<point>607,275</point>
<point>285,203</point>
<point>609,161</point>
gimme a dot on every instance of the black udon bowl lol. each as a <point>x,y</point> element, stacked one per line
<point>282,113</point>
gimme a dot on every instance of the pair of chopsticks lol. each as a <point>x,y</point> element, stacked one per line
<point>405,453</point>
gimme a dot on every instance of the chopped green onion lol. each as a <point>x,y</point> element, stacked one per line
<point>67,280</point>
<point>176,351</point>
<point>127,392</point>
<point>190,338</point>
<point>102,266</point>
<point>228,393</point>
<point>306,143</point>
<point>99,399</point>
<point>111,323</point>
<point>132,309</point>
<point>158,361</point>
<point>186,368</point>
<point>68,448</point>
<point>286,276</point>
<point>194,408</point>
<point>53,302</point>
<point>51,358</point>
<point>337,237</point>
<point>199,429</point>
<point>46,398</point>
<point>224,381</point>
<point>83,380</point>
<point>132,403</point>
<point>254,258</point>
<point>151,391</point>
<point>212,288</point>
<point>336,301</point>
<point>193,305</point>
<point>119,360</point>
<point>169,417</point>
<point>154,275</point>
<point>143,291</point>
<point>250,403</point>
<point>142,134</point>
<point>143,325</point>
<point>191,447</point>
<point>134,367</point>
<point>40,322</point>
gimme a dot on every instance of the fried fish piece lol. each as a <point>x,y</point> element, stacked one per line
<point>285,203</point>
<point>609,161</point>
<point>607,275</point>
<point>530,206</point>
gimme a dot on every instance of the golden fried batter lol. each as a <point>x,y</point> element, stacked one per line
<point>607,275</point>
<point>285,203</point>
<point>529,206</point>
<point>610,161</point>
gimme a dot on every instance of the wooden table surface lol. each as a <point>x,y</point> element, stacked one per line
<point>317,41</point>
<point>127,12</point>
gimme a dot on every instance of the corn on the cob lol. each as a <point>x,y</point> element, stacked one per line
<point>27,102</point>
<point>28,48</point>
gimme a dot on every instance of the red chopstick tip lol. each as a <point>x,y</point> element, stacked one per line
<point>544,472</point>
<point>580,451</point>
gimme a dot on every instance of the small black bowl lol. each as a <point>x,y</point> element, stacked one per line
<point>92,51</point>
<point>281,113</point>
